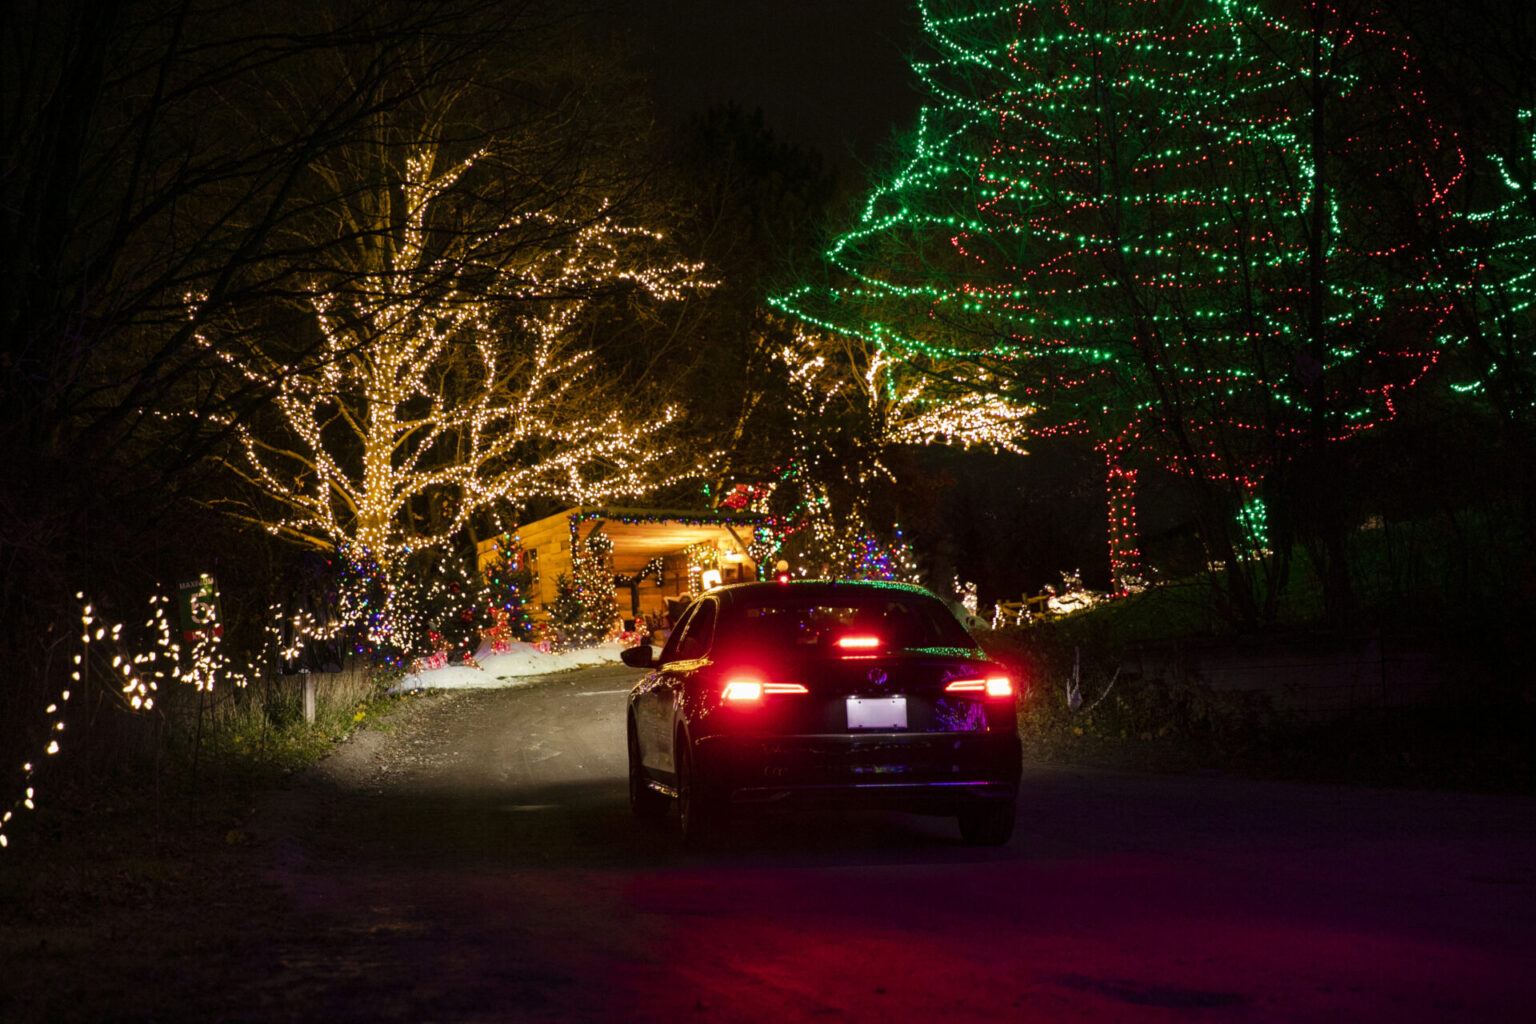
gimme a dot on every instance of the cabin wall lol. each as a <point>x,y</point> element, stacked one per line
<point>546,544</point>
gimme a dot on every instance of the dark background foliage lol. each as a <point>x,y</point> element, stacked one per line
<point>156,149</point>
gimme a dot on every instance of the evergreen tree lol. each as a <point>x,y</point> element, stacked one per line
<point>566,613</point>
<point>509,581</point>
<point>435,602</point>
<point>1191,231</point>
<point>586,607</point>
<point>1496,357</point>
<point>450,604</point>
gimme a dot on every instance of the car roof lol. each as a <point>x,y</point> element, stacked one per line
<point>814,589</point>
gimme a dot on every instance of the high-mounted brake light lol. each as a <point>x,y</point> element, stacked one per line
<point>992,686</point>
<point>754,689</point>
<point>859,642</point>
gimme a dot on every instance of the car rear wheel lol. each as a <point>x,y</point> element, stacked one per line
<point>643,800</point>
<point>698,814</point>
<point>987,824</point>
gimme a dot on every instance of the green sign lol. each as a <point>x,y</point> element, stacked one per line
<point>199,600</point>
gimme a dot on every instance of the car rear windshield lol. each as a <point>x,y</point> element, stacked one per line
<point>814,625</point>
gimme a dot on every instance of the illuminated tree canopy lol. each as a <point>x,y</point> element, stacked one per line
<point>1498,250</point>
<point>452,374</point>
<point>1194,232</point>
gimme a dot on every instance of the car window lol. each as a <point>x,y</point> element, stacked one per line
<point>699,633</point>
<point>669,652</point>
<point>811,626</point>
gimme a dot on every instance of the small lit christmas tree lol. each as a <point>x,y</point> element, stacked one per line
<point>433,602</point>
<point>566,614</point>
<point>374,625</point>
<point>817,541</point>
<point>448,602</point>
<point>586,608</point>
<point>508,582</point>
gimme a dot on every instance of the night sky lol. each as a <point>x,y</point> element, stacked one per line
<point>832,75</point>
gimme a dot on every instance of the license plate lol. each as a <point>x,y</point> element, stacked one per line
<point>877,712</point>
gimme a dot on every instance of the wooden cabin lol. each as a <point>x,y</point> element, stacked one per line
<point>659,556</point>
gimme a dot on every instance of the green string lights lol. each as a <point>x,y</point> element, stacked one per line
<point>1498,242</point>
<point>1198,233</point>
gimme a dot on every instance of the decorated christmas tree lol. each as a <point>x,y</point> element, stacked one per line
<point>1192,231</point>
<point>586,608</point>
<point>375,624</point>
<point>433,602</point>
<point>509,581</point>
<point>821,543</point>
<point>1496,343</point>
<point>450,603</point>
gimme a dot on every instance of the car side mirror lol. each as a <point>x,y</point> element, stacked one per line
<point>643,656</point>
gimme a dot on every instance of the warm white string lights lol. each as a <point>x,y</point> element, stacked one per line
<point>134,677</point>
<point>904,405</point>
<point>421,390</point>
<point>844,378</point>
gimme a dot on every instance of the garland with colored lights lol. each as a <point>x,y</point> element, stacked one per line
<point>650,570</point>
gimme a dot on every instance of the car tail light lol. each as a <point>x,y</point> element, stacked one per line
<point>858,642</point>
<point>743,689</point>
<point>738,690</point>
<point>992,686</point>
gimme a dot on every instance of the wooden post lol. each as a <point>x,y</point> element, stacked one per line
<point>309,697</point>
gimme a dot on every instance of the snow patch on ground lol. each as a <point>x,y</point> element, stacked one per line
<point>517,664</point>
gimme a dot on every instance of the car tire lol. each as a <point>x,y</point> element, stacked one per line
<point>644,801</point>
<point>987,824</point>
<point>698,815</point>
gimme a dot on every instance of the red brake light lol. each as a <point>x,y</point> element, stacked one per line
<point>992,686</point>
<point>743,689</point>
<point>858,642</point>
<point>755,689</point>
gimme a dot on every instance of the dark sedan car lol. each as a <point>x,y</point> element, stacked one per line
<point>864,693</point>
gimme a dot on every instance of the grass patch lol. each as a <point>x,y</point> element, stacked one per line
<point>196,758</point>
<point>1458,587</point>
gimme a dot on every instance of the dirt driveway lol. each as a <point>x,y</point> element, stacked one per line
<point>477,862</point>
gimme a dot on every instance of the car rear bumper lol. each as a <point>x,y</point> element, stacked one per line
<point>928,772</point>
